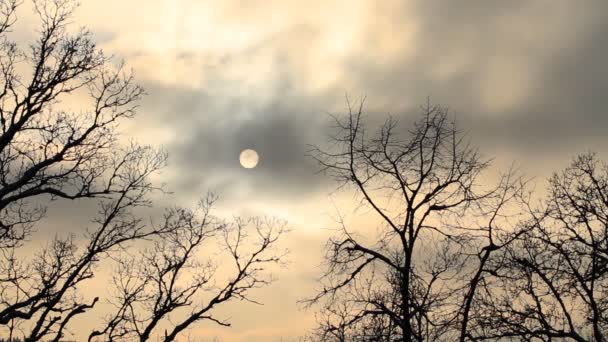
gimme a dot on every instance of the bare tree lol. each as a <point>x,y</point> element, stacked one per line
<point>48,152</point>
<point>554,278</point>
<point>436,217</point>
<point>170,282</point>
<point>341,321</point>
<point>46,149</point>
<point>496,229</point>
<point>44,292</point>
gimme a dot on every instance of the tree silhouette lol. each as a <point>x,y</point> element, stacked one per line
<point>169,280</point>
<point>415,280</point>
<point>554,278</point>
<point>50,152</point>
<point>46,149</point>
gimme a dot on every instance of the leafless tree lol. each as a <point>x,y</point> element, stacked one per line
<point>436,216</point>
<point>44,292</point>
<point>555,276</point>
<point>340,321</point>
<point>48,152</point>
<point>496,229</point>
<point>171,282</point>
<point>46,149</point>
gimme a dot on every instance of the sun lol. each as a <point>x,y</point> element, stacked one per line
<point>249,158</point>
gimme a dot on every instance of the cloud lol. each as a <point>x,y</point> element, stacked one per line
<point>278,131</point>
<point>528,79</point>
<point>516,74</point>
<point>206,132</point>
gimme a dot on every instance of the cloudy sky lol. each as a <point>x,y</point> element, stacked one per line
<point>527,79</point>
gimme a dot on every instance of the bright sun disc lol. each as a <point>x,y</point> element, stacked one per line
<point>249,158</point>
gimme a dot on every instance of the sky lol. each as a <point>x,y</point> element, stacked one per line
<point>527,79</point>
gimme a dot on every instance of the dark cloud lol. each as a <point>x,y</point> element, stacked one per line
<point>519,75</point>
<point>212,131</point>
<point>279,132</point>
<point>549,59</point>
<point>527,78</point>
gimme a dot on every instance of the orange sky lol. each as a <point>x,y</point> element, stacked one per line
<point>527,79</point>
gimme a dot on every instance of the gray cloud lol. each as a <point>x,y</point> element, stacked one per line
<point>279,133</point>
<point>526,77</point>
<point>212,131</point>
<point>549,59</point>
<point>522,76</point>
